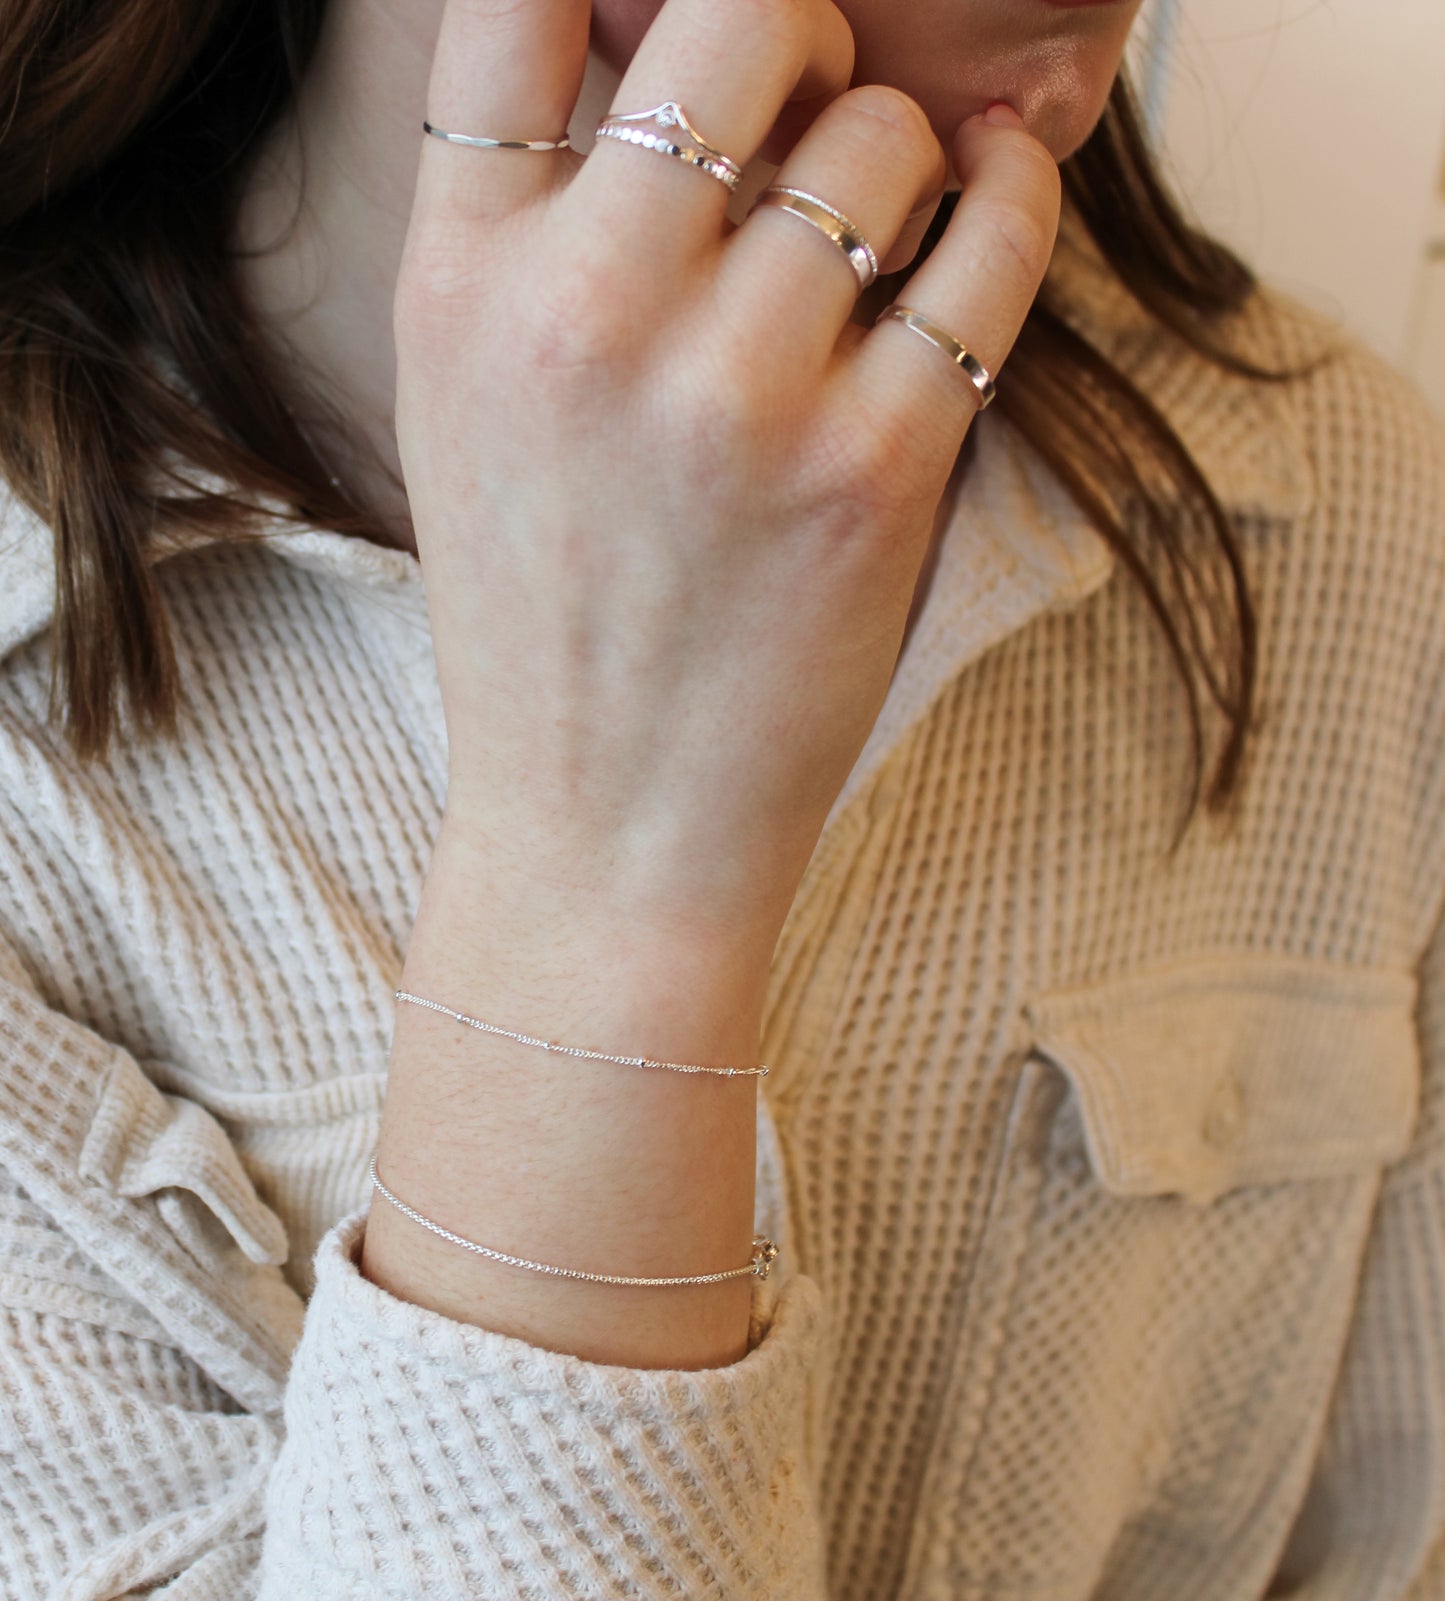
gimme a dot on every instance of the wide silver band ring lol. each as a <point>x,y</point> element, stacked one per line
<point>843,231</point>
<point>959,354</point>
<point>667,130</point>
<point>477,142</point>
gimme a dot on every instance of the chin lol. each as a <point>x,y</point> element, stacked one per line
<point>1054,66</point>
<point>1060,93</point>
<point>1060,107</point>
<point>1061,122</point>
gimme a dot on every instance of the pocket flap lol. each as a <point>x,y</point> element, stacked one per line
<point>1203,1075</point>
<point>143,1141</point>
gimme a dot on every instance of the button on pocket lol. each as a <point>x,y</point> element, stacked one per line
<point>1224,1122</point>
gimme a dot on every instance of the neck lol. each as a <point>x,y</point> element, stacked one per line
<point>323,219</point>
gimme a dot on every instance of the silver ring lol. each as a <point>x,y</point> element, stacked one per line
<point>959,354</point>
<point>651,131</point>
<point>478,143</point>
<point>843,231</point>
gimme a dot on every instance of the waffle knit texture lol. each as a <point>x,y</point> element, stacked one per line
<point>1110,1186</point>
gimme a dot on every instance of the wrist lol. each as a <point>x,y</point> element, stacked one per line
<point>539,896</point>
<point>580,964</point>
<point>587,1164</point>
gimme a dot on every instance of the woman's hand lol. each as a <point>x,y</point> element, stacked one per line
<point>670,505</point>
<point>671,508</point>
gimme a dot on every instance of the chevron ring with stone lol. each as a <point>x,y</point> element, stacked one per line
<point>667,130</point>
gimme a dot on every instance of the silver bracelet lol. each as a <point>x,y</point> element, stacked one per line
<point>574,1050</point>
<point>764,1252</point>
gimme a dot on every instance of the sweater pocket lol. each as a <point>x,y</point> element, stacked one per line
<point>1201,1076</point>
<point>1167,1278</point>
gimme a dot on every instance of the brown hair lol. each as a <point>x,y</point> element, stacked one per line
<point>121,158</point>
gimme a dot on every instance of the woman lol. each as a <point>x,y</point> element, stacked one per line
<point>786,711</point>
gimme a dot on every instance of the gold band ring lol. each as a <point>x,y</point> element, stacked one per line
<point>843,231</point>
<point>959,354</point>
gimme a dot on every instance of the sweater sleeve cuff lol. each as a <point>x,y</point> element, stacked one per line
<point>429,1457</point>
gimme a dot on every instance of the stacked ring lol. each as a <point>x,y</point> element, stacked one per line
<point>959,354</point>
<point>632,128</point>
<point>651,130</point>
<point>844,232</point>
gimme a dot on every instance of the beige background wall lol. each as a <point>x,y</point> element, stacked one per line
<point>1311,135</point>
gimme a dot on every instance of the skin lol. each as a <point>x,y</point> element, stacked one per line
<point>356,128</point>
<point>671,501</point>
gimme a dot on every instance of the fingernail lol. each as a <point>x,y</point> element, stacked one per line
<point>1002,115</point>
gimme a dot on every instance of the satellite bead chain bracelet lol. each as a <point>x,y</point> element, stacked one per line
<point>764,1253</point>
<point>574,1050</point>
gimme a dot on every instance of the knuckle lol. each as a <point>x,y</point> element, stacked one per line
<point>895,110</point>
<point>1015,239</point>
<point>1041,176</point>
<point>781,26</point>
<point>730,408</point>
<point>872,466</point>
<point>875,128</point>
<point>571,326</point>
<point>436,277</point>
<point>902,475</point>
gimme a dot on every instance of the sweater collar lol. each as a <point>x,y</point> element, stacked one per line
<point>1017,546</point>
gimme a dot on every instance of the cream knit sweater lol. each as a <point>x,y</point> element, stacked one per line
<point>1110,1187</point>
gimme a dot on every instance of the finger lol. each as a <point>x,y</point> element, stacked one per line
<point>978,284</point>
<point>503,69</point>
<point>732,68</point>
<point>912,235</point>
<point>873,156</point>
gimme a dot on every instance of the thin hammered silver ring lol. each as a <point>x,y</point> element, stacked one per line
<point>958,353</point>
<point>653,130</point>
<point>843,231</point>
<point>477,142</point>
